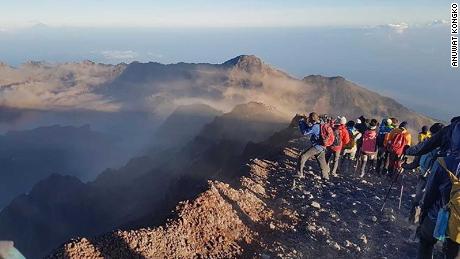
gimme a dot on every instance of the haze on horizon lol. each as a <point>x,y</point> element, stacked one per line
<point>399,49</point>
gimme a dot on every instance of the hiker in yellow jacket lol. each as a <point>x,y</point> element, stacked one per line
<point>424,134</point>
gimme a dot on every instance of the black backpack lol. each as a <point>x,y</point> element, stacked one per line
<point>337,139</point>
<point>381,138</point>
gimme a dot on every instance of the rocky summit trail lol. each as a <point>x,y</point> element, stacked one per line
<point>267,216</point>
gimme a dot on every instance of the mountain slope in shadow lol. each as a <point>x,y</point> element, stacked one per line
<point>142,193</point>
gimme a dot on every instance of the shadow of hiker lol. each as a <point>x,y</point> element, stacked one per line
<point>249,249</point>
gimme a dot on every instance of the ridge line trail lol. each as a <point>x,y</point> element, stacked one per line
<point>340,219</point>
<point>264,217</point>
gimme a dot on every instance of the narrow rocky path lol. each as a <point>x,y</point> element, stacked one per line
<point>340,218</point>
<point>267,216</point>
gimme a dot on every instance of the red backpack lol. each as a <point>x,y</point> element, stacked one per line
<point>398,143</point>
<point>327,134</point>
<point>369,141</point>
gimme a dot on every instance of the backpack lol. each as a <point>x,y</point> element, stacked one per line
<point>453,228</point>
<point>337,138</point>
<point>381,138</point>
<point>398,143</point>
<point>327,134</point>
<point>352,143</point>
<point>302,126</point>
<point>369,141</point>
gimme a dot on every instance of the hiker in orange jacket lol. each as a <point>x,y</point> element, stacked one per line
<point>395,158</point>
<point>400,129</point>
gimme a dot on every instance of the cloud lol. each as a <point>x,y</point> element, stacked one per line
<point>155,55</point>
<point>60,87</point>
<point>438,22</point>
<point>397,27</point>
<point>119,54</point>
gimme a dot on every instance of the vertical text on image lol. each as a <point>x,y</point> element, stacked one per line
<point>453,37</point>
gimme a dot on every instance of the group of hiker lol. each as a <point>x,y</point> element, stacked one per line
<point>368,146</point>
<point>362,140</point>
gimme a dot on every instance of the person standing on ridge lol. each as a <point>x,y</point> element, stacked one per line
<point>424,164</point>
<point>350,149</point>
<point>438,190</point>
<point>341,138</point>
<point>382,154</point>
<point>424,134</point>
<point>321,136</point>
<point>361,127</point>
<point>369,147</point>
<point>398,140</point>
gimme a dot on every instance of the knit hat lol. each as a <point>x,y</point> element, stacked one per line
<point>389,122</point>
<point>343,120</point>
<point>425,129</point>
<point>373,124</point>
<point>403,124</point>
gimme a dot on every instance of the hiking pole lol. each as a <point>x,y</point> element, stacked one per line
<point>395,179</point>
<point>402,188</point>
<point>401,170</point>
<point>389,189</point>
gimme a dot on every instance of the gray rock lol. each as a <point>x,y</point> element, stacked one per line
<point>316,205</point>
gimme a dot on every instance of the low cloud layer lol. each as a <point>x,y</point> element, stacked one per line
<point>120,54</point>
<point>47,86</point>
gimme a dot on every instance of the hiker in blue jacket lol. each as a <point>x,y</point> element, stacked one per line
<point>312,127</point>
<point>438,187</point>
<point>424,164</point>
<point>382,154</point>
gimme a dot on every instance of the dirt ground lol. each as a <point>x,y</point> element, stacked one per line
<point>273,214</point>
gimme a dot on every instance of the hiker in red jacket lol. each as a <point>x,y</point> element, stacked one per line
<point>369,148</point>
<point>341,138</point>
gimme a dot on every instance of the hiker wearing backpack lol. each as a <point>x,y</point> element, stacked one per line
<point>398,140</point>
<point>382,155</point>
<point>442,192</point>
<point>341,138</point>
<point>424,164</point>
<point>349,150</point>
<point>321,136</point>
<point>361,126</point>
<point>369,147</point>
<point>424,134</point>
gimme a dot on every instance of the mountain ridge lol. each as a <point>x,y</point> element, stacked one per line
<point>147,188</point>
<point>269,213</point>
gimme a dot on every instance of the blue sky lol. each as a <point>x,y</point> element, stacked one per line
<point>397,48</point>
<point>208,13</point>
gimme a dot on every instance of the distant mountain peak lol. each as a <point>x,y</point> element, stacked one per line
<point>247,63</point>
<point>324,78</point>
<point>252,64</point>
<point>35,63</point>
<point>88,62</point>
<point>247,59</point>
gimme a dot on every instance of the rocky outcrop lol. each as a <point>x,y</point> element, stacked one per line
<point>270,213</point>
